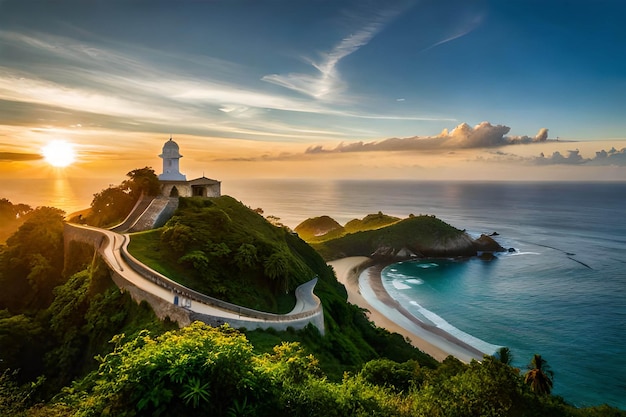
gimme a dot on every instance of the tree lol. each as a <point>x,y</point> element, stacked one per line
<point>23,340</point>
<point>142,180</point>
<point>277,269</point>
<point>32,261</point>
<point>539,376</point>
<point>397,376</point>
<point>504,355</point>
<point>109,206</point>
<point>10,212</point>
<point>246,256</point>
<point>113,204</point>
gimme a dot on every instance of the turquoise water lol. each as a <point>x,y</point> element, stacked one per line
<point>562,294</point>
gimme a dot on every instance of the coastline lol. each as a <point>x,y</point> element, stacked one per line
<point>363,283</point>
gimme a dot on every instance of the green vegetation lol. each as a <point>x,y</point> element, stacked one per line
<point>539,376</point>
<point>111,205</point>
<point>34,253</point>
<point>221,248</point>
<point>370,222</point>
<point>201,370</point>
<point>53,322</point>
<point>74,345</point>
<point>11,217</point>
<point>320,229</point>
<point>422,235</point>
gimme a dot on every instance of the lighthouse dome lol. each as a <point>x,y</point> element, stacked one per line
<point>170,150</point>
<point>171,157</point>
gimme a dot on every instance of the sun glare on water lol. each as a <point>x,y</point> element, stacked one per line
<point>59,153</point>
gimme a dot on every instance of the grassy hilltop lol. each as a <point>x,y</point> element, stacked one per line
<point>320,229</point>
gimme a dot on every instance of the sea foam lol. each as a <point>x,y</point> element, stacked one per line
<point>399,285</point>
<point>441,323</point>
<point>427,265</point>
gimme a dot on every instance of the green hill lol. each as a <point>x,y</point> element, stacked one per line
<point>222,248</point>
<point>370,222</point>
<point>319,228</point>
<point>323,228</point>
<point>415,236</point>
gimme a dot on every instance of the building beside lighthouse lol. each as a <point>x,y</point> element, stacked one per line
<point>175,184</point>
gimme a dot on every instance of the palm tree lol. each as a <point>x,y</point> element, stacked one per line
<point>539,375</point>
<point>277,269</point>
<point>504,355</point>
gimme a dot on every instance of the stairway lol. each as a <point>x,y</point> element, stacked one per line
<point>155,215</point>
<point>136,212</point>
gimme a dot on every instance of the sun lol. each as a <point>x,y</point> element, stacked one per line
<point>59,153</point>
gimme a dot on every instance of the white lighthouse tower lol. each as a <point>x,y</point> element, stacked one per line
<point>171,157</point>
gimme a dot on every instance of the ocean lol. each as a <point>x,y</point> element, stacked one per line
<point>561,294</point>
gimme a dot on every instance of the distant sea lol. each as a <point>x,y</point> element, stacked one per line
<point>561,294</point>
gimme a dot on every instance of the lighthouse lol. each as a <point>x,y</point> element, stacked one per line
<point>171,156</point>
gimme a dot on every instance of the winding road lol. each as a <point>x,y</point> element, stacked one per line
<point>113,247</point>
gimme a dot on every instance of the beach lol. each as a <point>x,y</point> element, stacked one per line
<point>363,284</point>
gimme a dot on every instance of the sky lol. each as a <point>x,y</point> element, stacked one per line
<point>432,89</point>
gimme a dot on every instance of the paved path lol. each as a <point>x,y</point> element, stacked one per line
<point>112,247</point>
<point>305,299</point>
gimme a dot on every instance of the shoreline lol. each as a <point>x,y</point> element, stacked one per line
<point>362,280</point>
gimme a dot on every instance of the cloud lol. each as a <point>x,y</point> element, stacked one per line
<point>612,157</point>
<point>137,89</point>
<point>327,82</point>
<point>17,156</point>
<point>461,31</point>
<point>483,135</point>
<point>573,158</point>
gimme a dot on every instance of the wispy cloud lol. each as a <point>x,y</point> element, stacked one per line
<point>131,88</point>
<point>326,83</point>
<point>16,156</point>
<point>462,30</point>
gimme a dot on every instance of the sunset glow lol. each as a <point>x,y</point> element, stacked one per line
<point>348,90</point>
<point>59,153</point>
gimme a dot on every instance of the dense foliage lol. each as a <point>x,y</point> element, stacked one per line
<point>200,370</point>
<point>80,347</point>
<point>111,205</point>
<point>31,262</point>
<point>53,322</point>
<point>11,217</point>
<point>221,248</point>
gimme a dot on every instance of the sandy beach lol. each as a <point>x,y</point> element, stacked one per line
<point>364,286</point>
